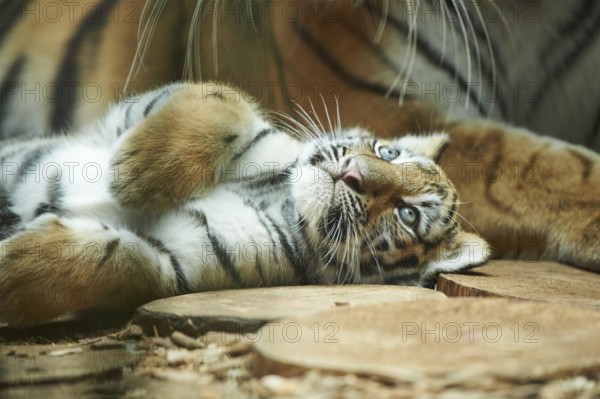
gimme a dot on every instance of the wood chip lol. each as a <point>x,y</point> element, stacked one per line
<point>225,365</point>
<point>182,376</point>
<point>65,352</point>
<point>182,356</point>
<point>238,349</point>
<point>280,386</point>
<point>185,341</point>
<point>105,345</point>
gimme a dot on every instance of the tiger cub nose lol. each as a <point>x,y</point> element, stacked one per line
<point>351,175</point>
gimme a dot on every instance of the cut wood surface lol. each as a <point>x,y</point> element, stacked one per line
<point>60,364</point>
<point>459,341</point>
<point>246,310</point>
<point>539,281</point>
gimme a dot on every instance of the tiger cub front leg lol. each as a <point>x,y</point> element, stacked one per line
<point>182,149</point>
<point>57,265</point>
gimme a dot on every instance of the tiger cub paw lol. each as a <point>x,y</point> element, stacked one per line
<point>36,274</point>
<point>58,265</point>
<point>181,150</point>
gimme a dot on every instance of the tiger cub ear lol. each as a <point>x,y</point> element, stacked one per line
<point>464,252</point>
<point>431,146</point>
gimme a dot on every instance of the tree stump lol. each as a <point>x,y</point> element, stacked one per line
<point>457,342</point>
<point>31,365</point>
<point>244,311</point>
<point>539,281</point>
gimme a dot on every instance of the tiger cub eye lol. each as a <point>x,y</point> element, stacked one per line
<point>408,215</point>
<point>388,153</point>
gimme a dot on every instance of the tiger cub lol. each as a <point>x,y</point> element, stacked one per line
<point>190,188</point>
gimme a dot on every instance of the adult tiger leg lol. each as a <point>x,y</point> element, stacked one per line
<point>531,197</point>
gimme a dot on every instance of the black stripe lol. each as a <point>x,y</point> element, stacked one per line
<point>8,221</point>
<point>281,68</point>
<point>579,33</point>
<point>592,137</point>
<point>408,279</point>
<point>480,36</point>
<point>572,24</point>
<point>587,164</point>
<point>10,81</point>
<point>476,28</point>
<point>261,218</point>
<point>431,245</point>
<point>432,215</point>
<point>259,137</point>
<point>55,192</point>
<point>11,11</point>
<point>317,158</point>
<point>109,251</point>
<point>182,283</point>
<point>450,212</point>
<point>276,179</point>
<point>230,138</point>
<point>354,203</point>
<point>366,41</point>
<point>368,269</point>
<point>44,208</point>
<point>32,159</point>
<point>350,78</point>
<point>259,269</point>
<point>409,261</point>
<point>10,153</point>
<point>8,218</point>
<point>218,95</point>
<point>309,260</point>
<point>224,259</point>
<point>4,198</point>
<point>16,150</point>
<point>199,216</point>
<point>69,73</point>
<point>128,114</point>
<point>53,203</point>
<point>335,152</point>
<point>435,58</point>
<point>155,101</point>
<point>258,264</point>
<point>383,245</point>
<point>290,251</point>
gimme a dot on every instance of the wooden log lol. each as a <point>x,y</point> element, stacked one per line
<point>244,311</point>
<point>539,281</point>
<point>452,343</point>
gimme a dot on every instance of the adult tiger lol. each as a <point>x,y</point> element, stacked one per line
<point>395,67</point>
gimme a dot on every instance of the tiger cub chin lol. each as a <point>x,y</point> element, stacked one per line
<point>190,188</point>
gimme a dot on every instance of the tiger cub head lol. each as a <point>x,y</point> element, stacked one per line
<point>381,211</point>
